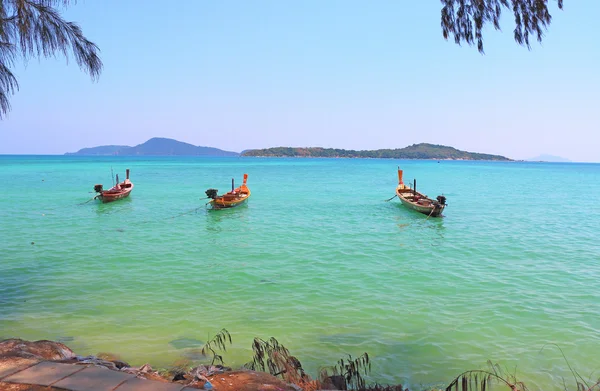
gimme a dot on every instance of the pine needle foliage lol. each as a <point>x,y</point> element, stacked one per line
<point>35,29</point>
<point>219,341</point>
<point>464,20</point>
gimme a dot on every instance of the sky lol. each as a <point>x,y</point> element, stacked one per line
<point>349,74</point>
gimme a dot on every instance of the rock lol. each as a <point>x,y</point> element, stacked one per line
<point>208,370</point>
<point>179,376</point>
<point>248,381</point>
<point>116,365</point>
<point>145,368</point>
<point>18,354</point>
<point>13,364</point>
<point>121,364</point>
<point>21,353</point>
<point>114,359</point>
<point>39,350</point>
<point>26,387</point>
<point>335,382</point>
<point>107,356</point>
<point>152,376</point>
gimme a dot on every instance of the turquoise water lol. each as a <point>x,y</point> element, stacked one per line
<point>316,259</point>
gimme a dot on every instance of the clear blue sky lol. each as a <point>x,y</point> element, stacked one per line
<point>338,73</point>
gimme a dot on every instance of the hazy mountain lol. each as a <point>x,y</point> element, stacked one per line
<point>155,147</point>
<point>549,158</point>
<point>415,151</point>
<point>104,150</point>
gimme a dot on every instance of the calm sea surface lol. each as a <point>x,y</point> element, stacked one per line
<point>316,259</point>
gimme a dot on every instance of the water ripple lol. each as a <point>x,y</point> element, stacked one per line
<point>320,262</point>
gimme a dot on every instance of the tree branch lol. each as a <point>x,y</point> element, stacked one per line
<point>8,85</point>
<point>464,20</point>
<point>42,32</point>
<point>34,28</point>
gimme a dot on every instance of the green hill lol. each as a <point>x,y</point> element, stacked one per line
<point>415,151</point>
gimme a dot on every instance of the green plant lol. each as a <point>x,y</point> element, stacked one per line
<point>354,370</point>
<point>275,358</point>
<point>480,379</point>
<point>176,371</point>
<point>348,372</point>
<point>217,342</point>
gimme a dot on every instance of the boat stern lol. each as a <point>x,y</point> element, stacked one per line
<point>439,205</point>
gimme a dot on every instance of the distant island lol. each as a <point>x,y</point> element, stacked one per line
<point>156,146</point>
<point>549,158</point>
<point>415,151</point>
<point>168,147</point>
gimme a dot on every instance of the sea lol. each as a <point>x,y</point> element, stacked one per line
<point>320,258</point>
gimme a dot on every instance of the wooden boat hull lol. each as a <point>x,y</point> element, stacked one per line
<point>236,197</point>
<point>110,196</point>
<point>429,209</point>
<point>419,202</point>
<point>117,192</point>
<point>221,203</point>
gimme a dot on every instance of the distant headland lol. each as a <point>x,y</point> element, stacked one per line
<point>415,151</point>
<point>156,146</point>
<point>168,147</point>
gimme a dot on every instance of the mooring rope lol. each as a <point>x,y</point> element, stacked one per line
<point>161,219</point>
<point>185,213</point>
<point>91,199</point>
<point>430,213</point>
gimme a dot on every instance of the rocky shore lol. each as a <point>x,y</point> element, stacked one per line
<point>21,354</point>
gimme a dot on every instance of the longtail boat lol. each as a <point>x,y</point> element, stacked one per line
<point>412,199</point>
<point>118,191</point>
<point>235,197</point>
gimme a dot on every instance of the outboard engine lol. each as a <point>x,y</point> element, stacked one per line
<point>212,193</point>
<point>441,199</point>
<point>98,188</point>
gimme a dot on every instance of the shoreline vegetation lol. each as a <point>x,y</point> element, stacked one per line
<point>168,147</point>
<point>416,151</point>
<point>271,368</point>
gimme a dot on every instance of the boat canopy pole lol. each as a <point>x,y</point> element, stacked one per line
<point>415,188</point>
<point>232,185</point>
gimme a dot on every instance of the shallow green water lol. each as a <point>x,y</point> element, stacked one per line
<point>316,259</point>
